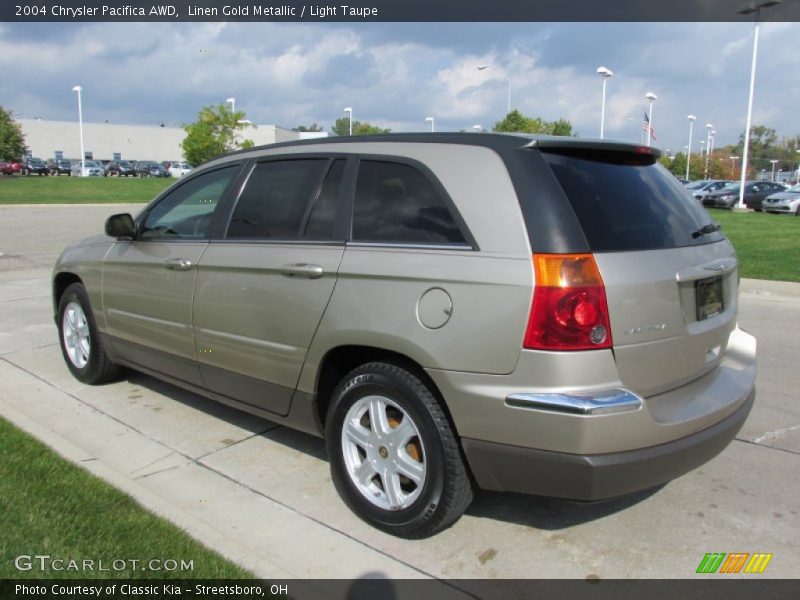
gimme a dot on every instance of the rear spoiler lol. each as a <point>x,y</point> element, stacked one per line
<point>567,143</point>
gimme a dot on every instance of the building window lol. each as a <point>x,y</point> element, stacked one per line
<point>117,156</point>
<point>88,155</point>
<point>59,155</point>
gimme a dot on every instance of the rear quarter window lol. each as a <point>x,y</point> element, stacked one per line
<point>626,201</point>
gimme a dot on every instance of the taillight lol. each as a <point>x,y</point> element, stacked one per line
<point>569,309</point>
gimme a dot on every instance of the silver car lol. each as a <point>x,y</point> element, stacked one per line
<point>552,316</point>
<point>787,202</point>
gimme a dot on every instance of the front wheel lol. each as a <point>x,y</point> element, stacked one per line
<point>83,351</point>
<point>395,459</point>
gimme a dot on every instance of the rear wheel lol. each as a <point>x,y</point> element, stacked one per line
<point>80,342</point>
<point>394,457</point>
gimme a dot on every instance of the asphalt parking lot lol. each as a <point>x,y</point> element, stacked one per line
<point>261,494</point>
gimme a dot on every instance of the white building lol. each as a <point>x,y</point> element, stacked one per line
<point>109,141</point>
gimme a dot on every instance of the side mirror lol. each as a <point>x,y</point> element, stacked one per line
<point>120,226</point>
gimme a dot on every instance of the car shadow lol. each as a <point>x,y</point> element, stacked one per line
<point>550,514</point>
<point>538,512</point>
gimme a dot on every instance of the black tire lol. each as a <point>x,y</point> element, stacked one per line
<point>446,491</point>
<point>98,368</point>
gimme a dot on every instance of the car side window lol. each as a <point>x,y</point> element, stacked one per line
<point>397,203</point>
<point>186,211</point>
<point>321,220</point>
<point>275,198</point>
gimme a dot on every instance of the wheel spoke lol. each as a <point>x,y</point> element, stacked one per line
<point>361,436</point>
<point>391,486</point>
<point>409,467</point>
<point>364,473</point>
<point>403,432</point>
<point>377,416</point>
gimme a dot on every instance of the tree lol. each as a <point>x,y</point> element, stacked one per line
<point>12,140</point>
<point>312,127</point>
<point>515,121</point>
<point>342,127</point>
<point>216,132</point>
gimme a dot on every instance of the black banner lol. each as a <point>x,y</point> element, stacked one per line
<point>401,10</point>
<point>729,588</point>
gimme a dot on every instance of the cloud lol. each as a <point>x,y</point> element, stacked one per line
<point>396,74</point>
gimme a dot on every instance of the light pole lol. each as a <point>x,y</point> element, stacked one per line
<point>431,119</point>
<point>79,89</point>
<point>349,112</point>
<point>733,165</point>
<point>773,161</point>
<point>709,139</point>
<point>652,97</point>
<point>508,79</point>
<point>702,146</point>
<point>749,8</point>
<point>605,73</point>
<point>798,169</point>
<point>689,147</point>
<point>232,102</point>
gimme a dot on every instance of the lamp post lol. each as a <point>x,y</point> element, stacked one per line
<point>702,145</point>
<point>605,73</point>
<point>79,89</point>
<point>232,102</point>
<point>431,119</point>
<point>508,79</point>
<point>773,161</point>
<point>753,7</point>
<point>733,165</point>
<point>709,139</point>
<point>349,112</point>
<point>689,147</point>
<point>652,97</point>
<point>798,169</point>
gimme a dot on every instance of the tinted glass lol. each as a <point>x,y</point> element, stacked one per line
<point>186,211</point>
<point>275,198</point>
<point>628,202</point>
<point>397,203</point>
<point>320,225</point>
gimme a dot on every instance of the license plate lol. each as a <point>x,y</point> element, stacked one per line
<point>708,293</point>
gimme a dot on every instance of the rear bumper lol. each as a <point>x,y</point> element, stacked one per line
<point>501,467</point>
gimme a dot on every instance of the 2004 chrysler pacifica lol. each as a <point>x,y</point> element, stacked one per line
<point>551,316</point>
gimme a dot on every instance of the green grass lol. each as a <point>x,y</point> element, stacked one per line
<point>50,506</point>
<point>768,246</point>
<point>33,189</point>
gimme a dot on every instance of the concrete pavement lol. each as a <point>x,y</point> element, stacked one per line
<point>261,494</point>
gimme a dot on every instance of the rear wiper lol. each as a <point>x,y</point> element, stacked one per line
<point>710,228</point>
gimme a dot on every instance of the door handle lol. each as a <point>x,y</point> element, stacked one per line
<point>178,264</point>
<point>311,271</point>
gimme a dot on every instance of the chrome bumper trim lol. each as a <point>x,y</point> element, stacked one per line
<point>602,402</point>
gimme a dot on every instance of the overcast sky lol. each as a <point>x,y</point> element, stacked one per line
<point>395,75</point>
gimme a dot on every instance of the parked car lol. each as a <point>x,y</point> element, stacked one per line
<point>703,187</point>
<point>34,166</point>
<point>91,168</point>
<point>120,168</point>
<point>580,343</point>
<point>150,168</point>
<point>59,167</point>
<point>10,167</point>
<point>179,169</point>
<point>787,201</point>
<point>754,194</point>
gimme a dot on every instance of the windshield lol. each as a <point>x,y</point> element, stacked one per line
<point>696,185</point>
<point>795,189</point>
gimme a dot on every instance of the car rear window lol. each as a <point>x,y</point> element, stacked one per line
<point>626,201</point>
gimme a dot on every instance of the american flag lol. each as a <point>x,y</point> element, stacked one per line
<point>646,126</point>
